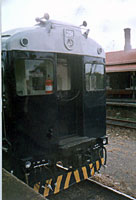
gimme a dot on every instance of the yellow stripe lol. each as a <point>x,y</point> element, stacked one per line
<point>67,180</point>
<point>84,172</point>
<point>37,187</point>
<point>47,189</point>
<point>91,166</point>
<point>97,165</point>
<point>102,161</point>
<point>77,177</point>
<point>59,179</point>
<point>92,171</point>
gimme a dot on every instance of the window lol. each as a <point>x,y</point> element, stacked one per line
<point>63,75</point>
<point>94,76</point>
<point>3,77</point>
<point>31,76</point>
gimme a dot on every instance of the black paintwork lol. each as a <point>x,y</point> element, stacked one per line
<point>29,118</point>
<point>94,114</point>
<point>94,108</point>
<point>35,124</point>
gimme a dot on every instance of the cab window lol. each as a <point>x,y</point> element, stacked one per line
<point>94,76</point>
<point>32,75</point>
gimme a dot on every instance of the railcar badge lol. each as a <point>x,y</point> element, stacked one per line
<point>69,39</point>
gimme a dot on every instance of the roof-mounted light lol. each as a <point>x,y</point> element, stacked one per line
<point>42,19</point>
<point>85,34</point>
<point>46,16</point>
<point>84,24</point>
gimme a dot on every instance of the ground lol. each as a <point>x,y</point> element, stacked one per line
<point>120,172</point>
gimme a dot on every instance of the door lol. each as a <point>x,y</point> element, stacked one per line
<point>69,94</point>
<point>94,98</point>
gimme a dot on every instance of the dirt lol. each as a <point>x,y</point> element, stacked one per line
<point>120,172</point>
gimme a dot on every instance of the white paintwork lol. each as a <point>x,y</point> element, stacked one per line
<point>50,37</point>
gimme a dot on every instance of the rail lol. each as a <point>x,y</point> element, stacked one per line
<point>117,193</point>
<point>121,122</point>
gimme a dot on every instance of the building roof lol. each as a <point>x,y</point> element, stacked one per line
<point>121,61</point>
<point>121,57</point>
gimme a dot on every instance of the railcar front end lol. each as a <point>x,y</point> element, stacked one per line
<point>54,111</point>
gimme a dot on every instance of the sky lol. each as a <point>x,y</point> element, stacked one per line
<point>106,19</point>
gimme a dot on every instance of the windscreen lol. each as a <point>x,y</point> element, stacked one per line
<point>34,77</point>
<point>94,76</point>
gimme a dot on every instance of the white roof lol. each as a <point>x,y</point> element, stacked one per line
<point>52,36</point>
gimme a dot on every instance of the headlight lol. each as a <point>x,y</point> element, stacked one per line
<point>104,141</point>
<point>27,164</point>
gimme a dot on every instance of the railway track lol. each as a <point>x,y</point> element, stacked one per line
<point>85,190</point>
<point>121,122</point>
<point>113,193</point>
<point>90,190</point>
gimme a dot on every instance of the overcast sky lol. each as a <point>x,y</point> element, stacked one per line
<point>106,19</point>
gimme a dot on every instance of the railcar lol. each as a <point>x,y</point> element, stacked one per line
<point>54,110</point>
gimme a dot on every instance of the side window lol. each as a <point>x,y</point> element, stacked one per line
<point>3,73</point>
<point>94,76</point>
<point>63,75</point>
<point>34,77</point>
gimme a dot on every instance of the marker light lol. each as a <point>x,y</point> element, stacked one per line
<point>24,42</point>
